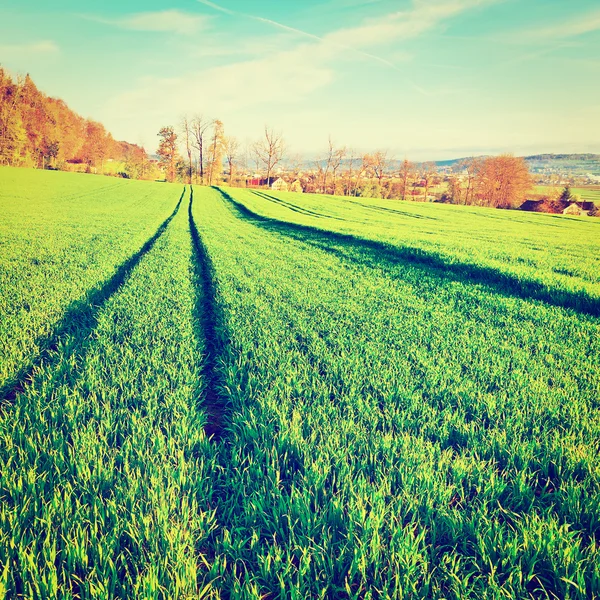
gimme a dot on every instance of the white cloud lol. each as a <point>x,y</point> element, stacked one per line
<point>423,16</point>
<point>166,21</point>
<point>281,76</point>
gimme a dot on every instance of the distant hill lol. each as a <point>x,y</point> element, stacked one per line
<point>567,164</point>
<point>573,164</point>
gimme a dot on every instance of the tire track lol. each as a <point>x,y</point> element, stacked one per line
<point>208,314</point>
<point>80,318</point>
<point>385,256</point>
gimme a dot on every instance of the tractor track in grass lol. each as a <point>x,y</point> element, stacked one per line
<point>80,318</point>
<point>208,315</point>
<point>298,209</point>
<point>368,252</point>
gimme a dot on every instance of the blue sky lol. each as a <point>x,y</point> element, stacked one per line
<point>425,79</point>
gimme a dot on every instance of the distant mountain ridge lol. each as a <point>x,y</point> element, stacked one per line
<point>576,163</point>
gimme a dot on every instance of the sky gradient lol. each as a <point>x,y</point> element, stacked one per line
<point>423,79</point>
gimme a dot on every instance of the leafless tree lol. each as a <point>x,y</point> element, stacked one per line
<point>333,161</point>
<point>379,164</point>
<point>186,131</point>
<point>429,172</point>
<point>231,147</point>
<point>199,126</point>
<point>406,172</point>
<point>268,151</point>
<point>216,151</point>
<point>349,174</point>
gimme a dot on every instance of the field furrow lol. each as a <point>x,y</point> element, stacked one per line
<point>394,428</point>
<point>61,241</point>
<point>105,489</point>
<point>242,396</point>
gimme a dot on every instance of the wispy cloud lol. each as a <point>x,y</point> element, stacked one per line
<point>28,50</point>
<point>166,21</point>
<point>578,25</point>
<point>421,17</point>
<point>289,71</point>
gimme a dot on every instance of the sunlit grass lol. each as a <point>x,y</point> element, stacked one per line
<point>403,412</point>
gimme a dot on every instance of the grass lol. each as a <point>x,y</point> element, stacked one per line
<point>588,194</point>
<point>292,396</point>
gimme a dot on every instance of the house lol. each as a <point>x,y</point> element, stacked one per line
<point>558,207</point>
<point>579,208</point>
<point>257,181</point>
<point>573,209</point>
<point>542,205</point>
<point>279,185</point>
<point>296,186</point>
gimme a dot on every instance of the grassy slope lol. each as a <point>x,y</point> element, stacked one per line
<point>392,427</point>
<point>397,428</point>
<point>61,235</point>
<point>561,254</point>
<point>106,488</point>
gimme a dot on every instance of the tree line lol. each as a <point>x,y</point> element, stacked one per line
<point>211,157</point>
<point>39,131</point>
<point>43,132</point>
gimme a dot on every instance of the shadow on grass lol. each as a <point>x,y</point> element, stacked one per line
<point>80,318</point>
<point>211,320</point>
<point>298,209</point>
<point>385,209</point>
<point>374,253</point>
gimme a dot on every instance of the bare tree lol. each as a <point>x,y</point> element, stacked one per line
<point>406,171</point>
<point>470,166</point>
<point>269,151</point>
<point>186,130</point>
<point>429,172</point>
<point>231,147</point>
<point>349,174</point>
<point>328,161</point>
<point>216,151</point>
<point>379,165</point>
<point>333,161</point>
<point>199,126</point>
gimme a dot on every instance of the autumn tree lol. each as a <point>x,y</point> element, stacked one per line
<point>13,136</point>
<point>167,152</point>
<point>136,161</point>
<point>503,181</point>
<point>269,151</point>
<point>97,144</point>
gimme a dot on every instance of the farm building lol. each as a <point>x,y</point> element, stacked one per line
<point>296,186</point>
<point>535,206</point>
<point>572,209</point>
<point>257,181</point>
<point>557,207</point>
<point>279,185</point>
<point>579,208</point>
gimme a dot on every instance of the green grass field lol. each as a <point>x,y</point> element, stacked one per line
<point>588,194</point>
<point>230,394</point>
